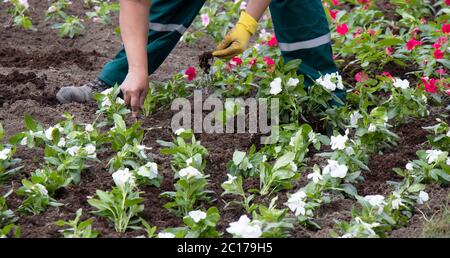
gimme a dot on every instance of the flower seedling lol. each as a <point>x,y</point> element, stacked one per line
<point>36,198</point>
<point>76,228</point>
<point>122,204</point>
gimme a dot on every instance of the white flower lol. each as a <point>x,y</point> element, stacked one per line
<point>123,177</point>
<point>106,103</point>
<point>24,3</point>
<point>292,82</point>
<point>263,34</point>
<point>190,172</point>
<point>335,170</point>
<point>4,153</point>
<point>354,117</point>
<point>433,155</point>
<point>296,203</point>
<point>205,19</point>
<point>52,9</point>
<point>73,150</point>
<point>90,149</point>
<point>165,235</point>
<point>448,133</point>
<point>245,228</point>
<point>423,197</point>
<point>375,200</point>
<point>48,133</point>
<point>293,166</point>
<point>180,131</point>
<point>230,180</point>
<point>409,166</point>
<point>62,142</point>
<point>402,84</point>
<point>372,128</point>
<point>24,141</point>
<point>243,5</point>
<point>41,189</point>
<point>149,170</point>
<point>331,81</point>
<point>397,202</point>
<point>312,137</point>
<point>315,176</point>
<point>338,142</point>
<point>197,215</point>
<point>448,161</point>
<point>89,128</point>
<point>275,86</point>
<point>120,101</point>
<point>189,161</point>
<point>107,91</point>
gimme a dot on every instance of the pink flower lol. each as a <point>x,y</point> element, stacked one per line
<point>438,54</point>
<point>361,77</point>
<point>441,71</point>
<point>269,61</point>
<point>235,61</point>
<point>412,43</point>
<point>333,14</point>
<point>446,28</point>
<point>447,2</point>
<point>272,41</point>
<point>387,74</point>
<point>205,19</point>
<point>190,73</point>
<point>252,63</point>
<point>430,85</point>
<point>342,29</point>
<point>335,2</point>
<point>389,51</point>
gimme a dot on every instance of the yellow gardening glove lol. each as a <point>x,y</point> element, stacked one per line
<point>236,41</point>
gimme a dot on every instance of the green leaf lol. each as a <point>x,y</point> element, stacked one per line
<point>284,160</point>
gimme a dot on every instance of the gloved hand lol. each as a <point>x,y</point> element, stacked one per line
<point>236,41</point>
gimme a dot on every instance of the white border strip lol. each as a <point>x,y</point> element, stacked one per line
<point>167,27</point>
<point>322,40</point>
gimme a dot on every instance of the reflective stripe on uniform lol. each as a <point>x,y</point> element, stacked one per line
<point>312,43</point>
<point>167,27</point>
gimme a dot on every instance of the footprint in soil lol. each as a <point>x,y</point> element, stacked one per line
<point>22,86</point>
<point>204,61</point>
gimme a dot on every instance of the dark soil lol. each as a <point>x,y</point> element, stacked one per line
<point>35,64</point>
<point>203,60</point>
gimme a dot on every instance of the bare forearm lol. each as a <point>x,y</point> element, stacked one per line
<point>256,8</point>
<point>134,29</point>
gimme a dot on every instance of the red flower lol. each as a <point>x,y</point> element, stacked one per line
<point>438,54</point>
<point>436,46</point>
<point>447,2</point>
<point>430,85</point>
<point>441,71</point>
<point>335,2</point>
<point>361,77</point>
<point>190,73</point>
<point>441,40</point>
<point>446,28</point>
<point>272,42</point>
<point>412,43</point>
<point>235,61</point>
<point>269,61</point>
<point>252,63</point>
<point>389,51</point>
<point>387,74</point>
<point>333,14</point>
<point>342,29</point>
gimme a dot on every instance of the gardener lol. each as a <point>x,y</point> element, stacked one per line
<point>300,26</point>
